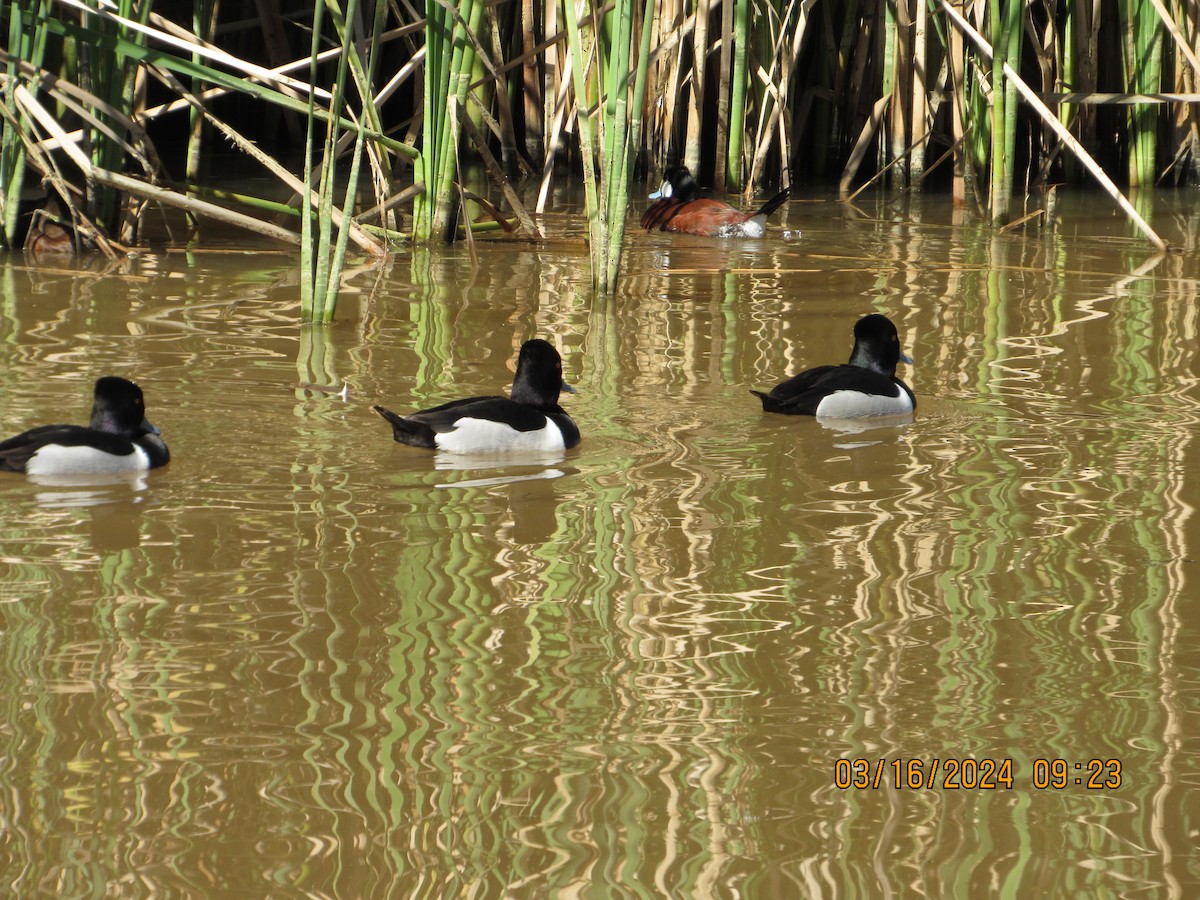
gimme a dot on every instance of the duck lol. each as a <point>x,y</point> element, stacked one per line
<point>529,420</point>
<point>118,439</point>
<point>865,386</point>
<point>50,236</point>
<point>678,207</point>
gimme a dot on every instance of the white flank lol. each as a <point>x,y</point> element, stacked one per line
<point>55,459</point>
<point>484,436</point>
<point>855,404</point>
<point>751,228</point>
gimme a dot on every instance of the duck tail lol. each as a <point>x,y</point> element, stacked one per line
<point>774,203</point>
<point>773,404</point>
<point>401,427</point>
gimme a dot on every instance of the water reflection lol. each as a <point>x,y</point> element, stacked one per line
<point>469,462</point>
<point>631,667</point>
<point>105,487</point>
<point>113,502</point>
<point>881,427</point>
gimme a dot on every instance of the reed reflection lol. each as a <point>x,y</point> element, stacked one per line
<point>632,666</point>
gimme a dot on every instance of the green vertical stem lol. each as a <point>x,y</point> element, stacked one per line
<point>446,162</point>
<point>737,99</point>
<point>587,146</point>
<point>439,31</point>
<point>28,45</point>
<point>117,83</point>
<point>616,132</point>
<point>615,99</point>
<point>1144,30</point>
<point>1006,23</point>
<point>891,40</point>
<point>1069,71</point>
<point>307,238</point>
<point>1012,32</point>
<point>617,187</point>
<point>331,255</point>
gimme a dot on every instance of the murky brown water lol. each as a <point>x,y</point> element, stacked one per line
<point>303,660</point>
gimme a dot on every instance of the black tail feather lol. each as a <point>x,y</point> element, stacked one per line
<point>772,404</point>
<point>774,203</point>
<point>408,431</point>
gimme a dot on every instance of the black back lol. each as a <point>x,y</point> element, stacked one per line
<point>871,370</point>
<point>535,392</point>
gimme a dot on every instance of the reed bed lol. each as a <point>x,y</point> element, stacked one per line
<point>995,101</point>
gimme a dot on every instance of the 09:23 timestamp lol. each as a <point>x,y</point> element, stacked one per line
<point>965,773</point>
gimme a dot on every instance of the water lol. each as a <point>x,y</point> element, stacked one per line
<point>303,660</point>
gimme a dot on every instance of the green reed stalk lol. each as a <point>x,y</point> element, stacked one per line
<point>322,256</point>
<point>607,192</point>
<point>26,43</point>
<point>1050,119</point>
<point>887,148</point>
<point>113,80</point>
<point>369,121</point>
<point>999,183</point>
<point>311,245</point>
<point>1013,32</point>
<point>614,126</point>
<point>438,28</point>
<point>1143,74</point>
<point>1006,21</point>
<point>449,62</point>
<point>737,96</point>
<point>597,225</point>
<point>620,159</point>
<point>446,164</point>
<point>977,122</point>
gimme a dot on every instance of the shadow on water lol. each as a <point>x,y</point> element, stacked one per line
<point>304,657</point>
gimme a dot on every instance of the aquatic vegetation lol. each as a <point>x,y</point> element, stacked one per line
<point>393,102</point>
